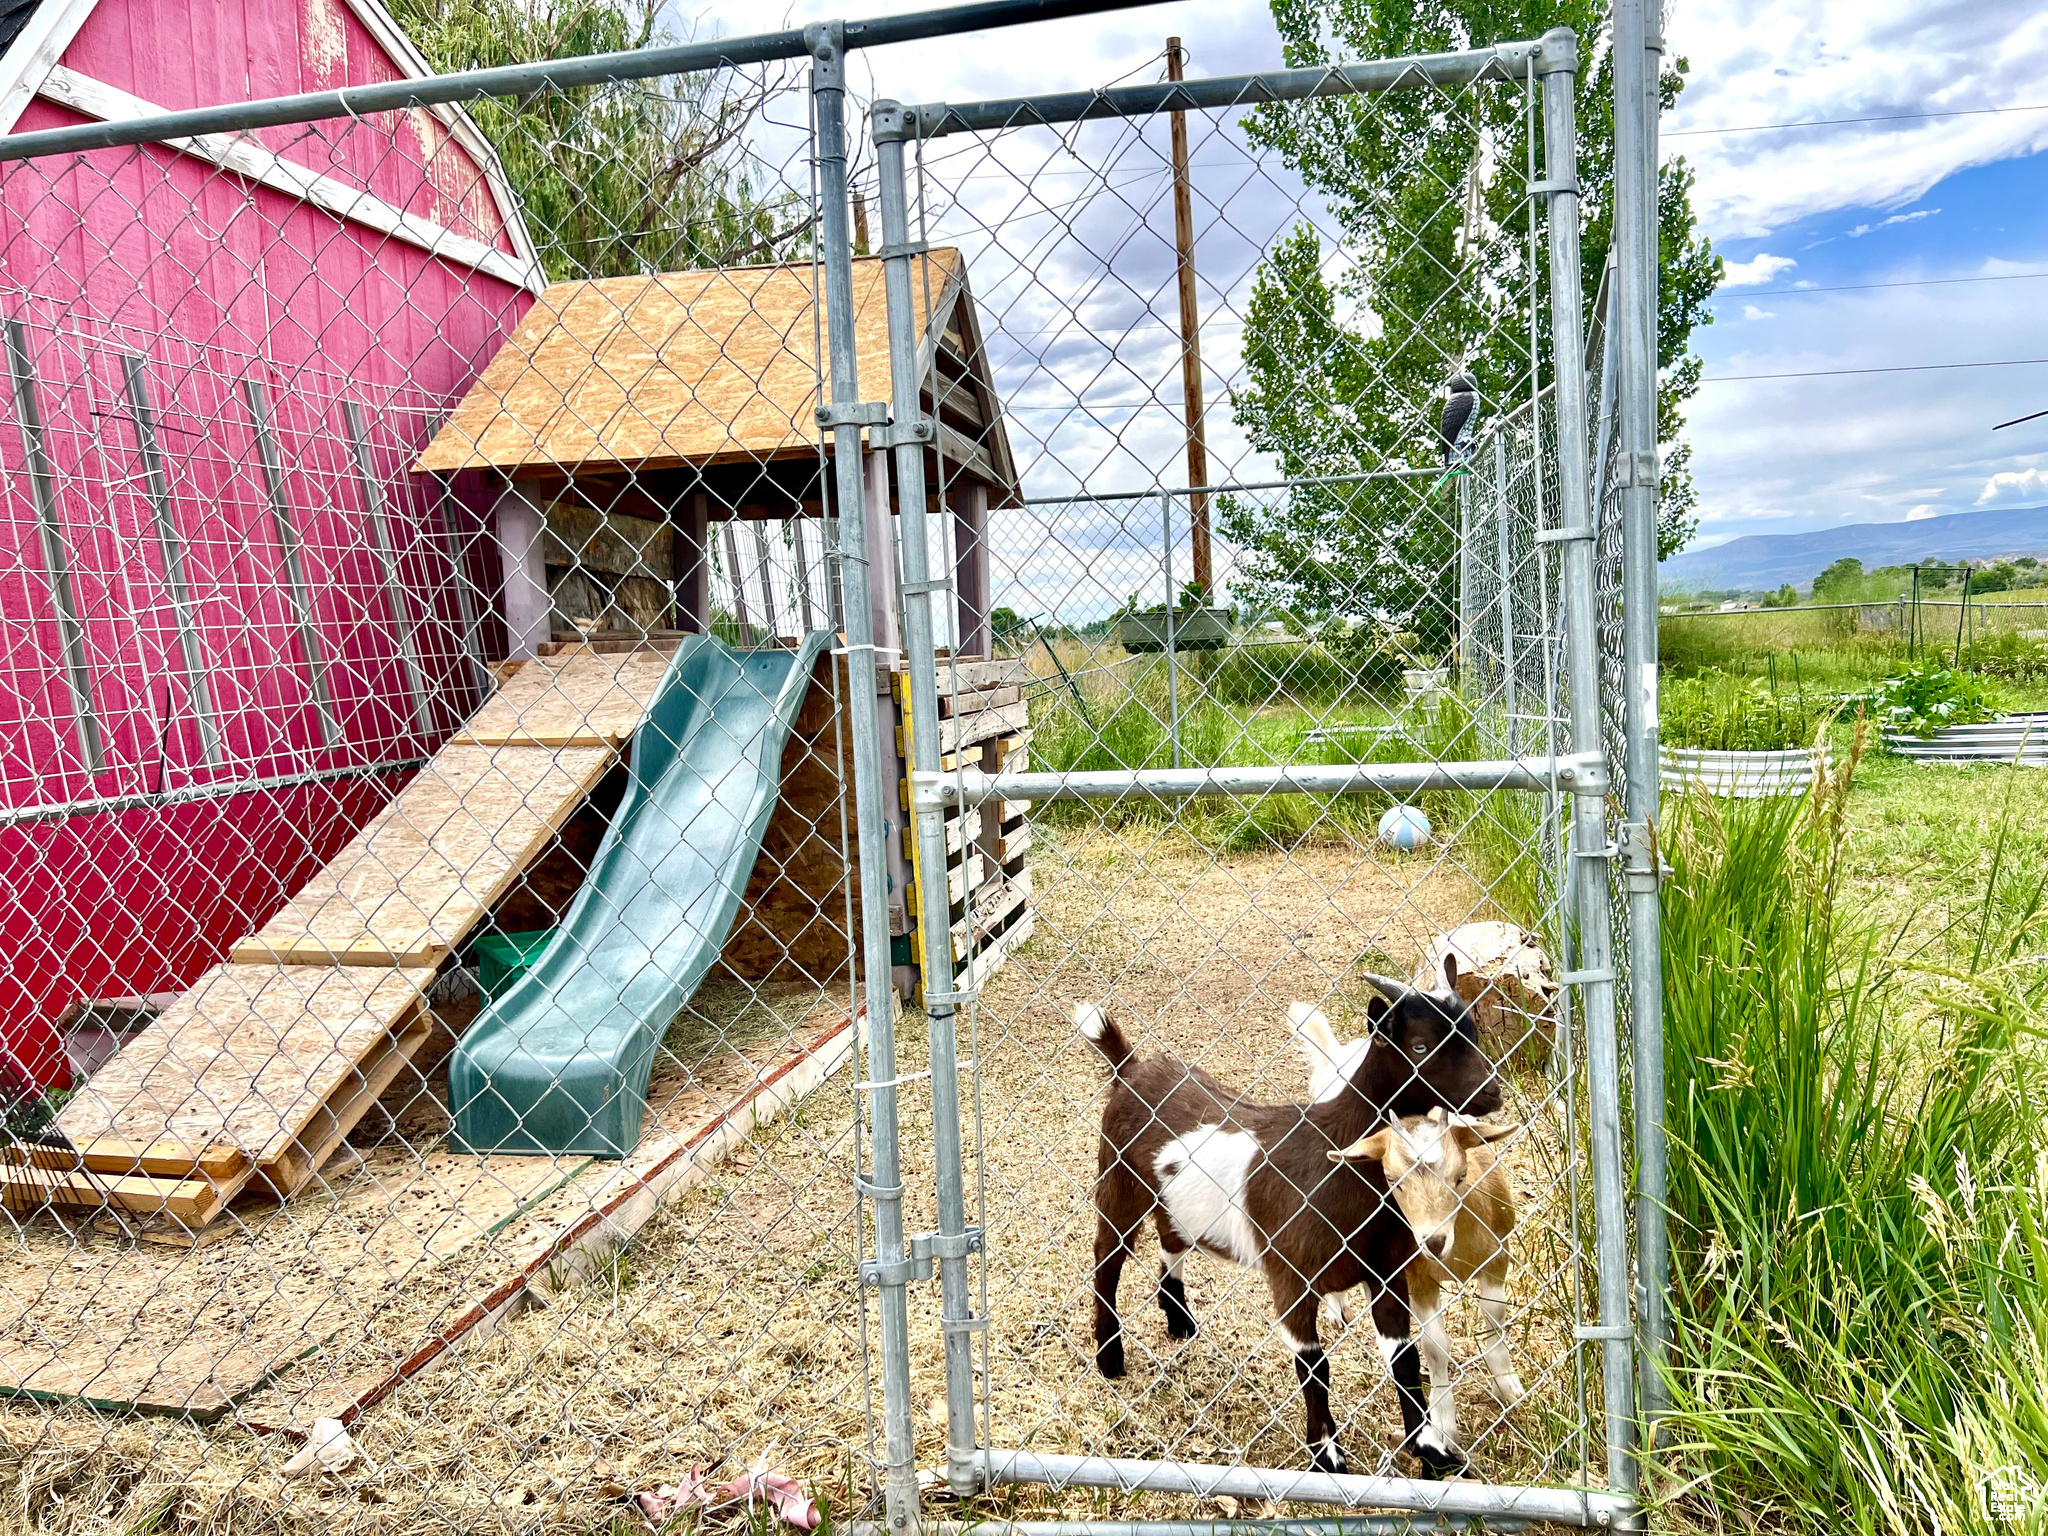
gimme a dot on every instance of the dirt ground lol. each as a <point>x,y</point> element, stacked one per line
<point>729,1331</point>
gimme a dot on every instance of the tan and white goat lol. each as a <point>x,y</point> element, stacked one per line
<point>1451,1188</point>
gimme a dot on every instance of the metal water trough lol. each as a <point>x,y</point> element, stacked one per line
<point>2023,737</point>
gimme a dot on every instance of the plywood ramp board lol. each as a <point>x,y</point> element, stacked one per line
<point>422,874</point>
<point>588,698</point>
<point>248,1058</point>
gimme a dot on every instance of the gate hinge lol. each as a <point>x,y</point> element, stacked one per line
<point>920,429</point>
<point>854,413</point>
<point>1633,469</point>
<point>917,1264</point>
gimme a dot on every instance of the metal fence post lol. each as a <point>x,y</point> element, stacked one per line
<point>909,432</point>
<point>1557,65</point>
<point>1635,323</point>
<point>891,1271</point>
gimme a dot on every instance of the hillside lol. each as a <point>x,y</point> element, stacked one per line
<point>1766,560</point>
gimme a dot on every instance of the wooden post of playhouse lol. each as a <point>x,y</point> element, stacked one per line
<point>969,502</point>
<point>517,521</point>
<point>690,562</point>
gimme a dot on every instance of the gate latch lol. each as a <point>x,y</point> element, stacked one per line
<point>924,1247</point>
<point>1642,867</point>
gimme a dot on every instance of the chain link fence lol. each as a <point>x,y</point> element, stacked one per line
<point>620,682</point>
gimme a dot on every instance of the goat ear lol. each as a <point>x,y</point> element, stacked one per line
<point>1450,971</point>
<point>1370,1149</point>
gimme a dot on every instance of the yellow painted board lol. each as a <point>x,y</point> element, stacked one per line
<point>412,884</point>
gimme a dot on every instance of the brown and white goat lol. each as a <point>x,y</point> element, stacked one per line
<point>1258,1184</point>
<point>1453,1192</point>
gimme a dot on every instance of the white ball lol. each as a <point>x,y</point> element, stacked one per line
<point>1405,828</point>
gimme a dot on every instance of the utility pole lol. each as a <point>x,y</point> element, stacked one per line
<point>1190,335</point>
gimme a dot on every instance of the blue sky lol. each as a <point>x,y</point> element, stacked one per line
<point>1833,208</point>
<point>1812,219</point>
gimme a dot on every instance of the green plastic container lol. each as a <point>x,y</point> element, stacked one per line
<point>502,958</point>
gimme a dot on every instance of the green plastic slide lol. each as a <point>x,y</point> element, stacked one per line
<point>559,1063</point>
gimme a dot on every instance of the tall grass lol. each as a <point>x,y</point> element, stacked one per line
<point>1859,1186</point>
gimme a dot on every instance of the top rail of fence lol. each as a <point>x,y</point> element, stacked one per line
<point>1503,61</point>
<point>553,74</point>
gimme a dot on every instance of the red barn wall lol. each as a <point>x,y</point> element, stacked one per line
<point>215,280</point>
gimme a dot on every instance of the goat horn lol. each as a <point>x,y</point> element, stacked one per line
<point>1393,991</point>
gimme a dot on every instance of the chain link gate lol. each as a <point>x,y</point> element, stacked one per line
<point>473,648</point>
<point>1125,869</point>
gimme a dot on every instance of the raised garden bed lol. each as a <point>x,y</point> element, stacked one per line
<point>1742,775</point>
<point>2021,737</point>
<point>1194,629</point>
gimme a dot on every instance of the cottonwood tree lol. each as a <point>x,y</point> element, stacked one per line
<point>624,178</point>
<point>1428,271</point>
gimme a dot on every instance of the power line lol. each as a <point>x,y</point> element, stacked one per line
<point>1912,282</point>
<point>2018,419</point>
<point>1833,373</point>
<point>1836,122</point>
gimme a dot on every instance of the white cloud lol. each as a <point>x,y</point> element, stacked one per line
<point>2016,487</point>
<point>1751,312</point>
<point>1788,455</point>
<point>1760,268</point>
<point>1898,218</point>
<point>1922,512</point>
<point>1769,61</point>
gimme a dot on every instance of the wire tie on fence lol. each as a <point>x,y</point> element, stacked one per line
<point>894,1082</point>
<point>1565,535</point>
<point>877,1191</point>
<point>1552,188</point>
<point>1596,1331</point>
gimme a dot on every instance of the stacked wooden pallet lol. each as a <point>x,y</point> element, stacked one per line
<point>251,1079</point>
<point>983,723</point>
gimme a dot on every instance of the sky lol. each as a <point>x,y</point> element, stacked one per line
<point>1899,244</point>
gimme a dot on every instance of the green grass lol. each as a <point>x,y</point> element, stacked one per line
<point>1858,1192</point>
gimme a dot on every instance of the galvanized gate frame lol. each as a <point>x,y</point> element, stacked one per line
<point>1583,774</point>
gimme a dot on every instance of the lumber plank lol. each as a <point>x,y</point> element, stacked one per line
<point>411,885</point>
<point>584,698</point>
<point>248,1057</point>
<point>166,1157</point>
<point>190,1201</point>
<point>289,1169</point>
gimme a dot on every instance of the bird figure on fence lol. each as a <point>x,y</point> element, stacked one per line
<point>1460,422</point>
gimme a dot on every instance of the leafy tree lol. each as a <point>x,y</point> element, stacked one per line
<point>1786,596</point>
<point>1347,351</point>
<point>616,180</point>
<point>1841,582</point>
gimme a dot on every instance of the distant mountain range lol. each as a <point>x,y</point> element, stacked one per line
<point>1769,560</point>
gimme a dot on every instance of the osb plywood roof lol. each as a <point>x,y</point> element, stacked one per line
<point>683,368</point>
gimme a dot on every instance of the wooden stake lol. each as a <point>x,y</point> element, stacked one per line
<point>1190,333</point>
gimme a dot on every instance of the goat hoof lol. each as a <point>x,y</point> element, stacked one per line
<point>1109,1358</point>
<point>1180,1323</point>
<point>1329,1457</point>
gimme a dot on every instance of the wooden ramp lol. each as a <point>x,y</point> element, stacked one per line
<point>256,1074</point>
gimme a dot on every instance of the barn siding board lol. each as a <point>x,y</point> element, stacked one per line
<point>220,280</point>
